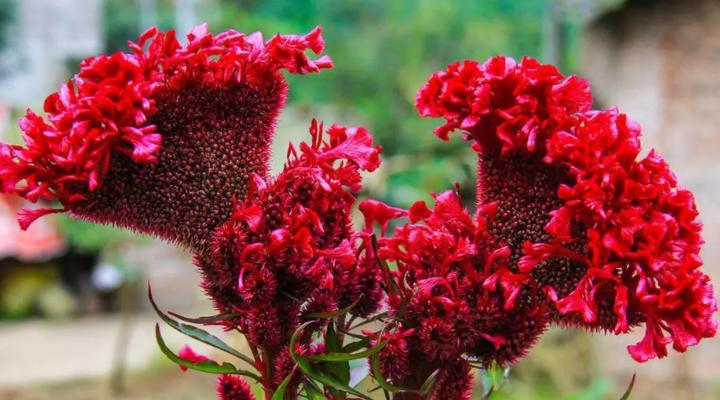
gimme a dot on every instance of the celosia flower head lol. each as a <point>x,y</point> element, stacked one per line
<point>610,236</point>
<point>453,296</point>
<point>289,247</point>
<point>159,139</point>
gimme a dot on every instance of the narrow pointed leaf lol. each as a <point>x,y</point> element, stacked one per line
<point>280,391</point>
<point>311,372</point>
<point>429,383</point>
<point>332,314</point>
<point>197,333</point>
<point>340,370</point>
<point>333,357</point>
<point>355,346</point>
<point>312,391</point>
<point>208,366</point>
<point>377,317</point>
<point>212,319</point>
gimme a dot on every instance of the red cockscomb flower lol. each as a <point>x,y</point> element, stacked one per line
<point>233,387</point>
<point>289,248</point>
<point>610,237</point>
<point>452,295</point>
<point>159,140</point>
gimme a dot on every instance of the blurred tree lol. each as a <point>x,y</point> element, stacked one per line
<point>7,15</point>
<point>125,19</point>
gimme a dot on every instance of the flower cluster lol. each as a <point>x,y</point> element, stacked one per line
<point>289,248</point>
<point>159,140</point>
<point>452,295</point>
<point>609,236</point>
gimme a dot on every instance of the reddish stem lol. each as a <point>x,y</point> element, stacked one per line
<point>267,361</point>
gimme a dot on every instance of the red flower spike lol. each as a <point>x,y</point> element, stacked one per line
<point>289,247</point>
<point>611,238</point>
<point>233,387</point>
<point>159,140</point>
<point>458,296</point>
<point>395,357</point>
<point>453,382</point>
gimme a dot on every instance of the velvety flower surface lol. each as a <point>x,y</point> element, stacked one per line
<point>608,235</point>
<point>160,139</point>
<point>289,247</point>
<point>452,296</point>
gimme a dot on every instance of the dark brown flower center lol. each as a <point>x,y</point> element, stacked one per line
<point>213,140</point>
<point>525,188</point>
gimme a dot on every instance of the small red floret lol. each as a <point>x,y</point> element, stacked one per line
<point>289,247</point>
<point>233,387</point>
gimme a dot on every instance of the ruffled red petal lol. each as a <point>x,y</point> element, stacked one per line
<point>502,104</point>
<point>105,109</point>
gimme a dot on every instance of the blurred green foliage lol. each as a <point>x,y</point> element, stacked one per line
<point>90,238</point>
<point>385,50</point>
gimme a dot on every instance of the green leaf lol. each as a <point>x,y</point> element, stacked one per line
<point>376,317</point>
<point>429,383</point>
<point>357,345</point>
<point>310,371</point>
<point>332,342</point>
<point>197,333</point>
<point>280,391</point>
<point>312,391</point>
<point>206,320</point>
<point>210,367</point>
<point>336,357</point>
<point>340,370</point>
<point>626,395</point>
<point>332,314</point>
<point>492,379</point>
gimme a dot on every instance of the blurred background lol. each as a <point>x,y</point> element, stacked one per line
<point>74,322</point>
